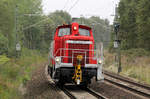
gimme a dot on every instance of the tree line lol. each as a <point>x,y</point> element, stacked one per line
<point>134,24</point>
<point>25,23</point>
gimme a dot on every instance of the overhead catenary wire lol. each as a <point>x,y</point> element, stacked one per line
<point>33,25</point>
<point>73,5</point>
<point>65,5</point>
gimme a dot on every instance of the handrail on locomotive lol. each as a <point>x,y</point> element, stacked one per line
<point>98,53</point>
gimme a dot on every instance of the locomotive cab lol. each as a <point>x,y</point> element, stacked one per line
<point>72,56</point>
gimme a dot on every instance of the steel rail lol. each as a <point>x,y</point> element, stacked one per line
<point>97,95</point>
<point>69,94</point>
<point>113,75</point>
<point>58,88</point>
<point>88,90</point>
<point>126,86</point>
<point>54,87</point>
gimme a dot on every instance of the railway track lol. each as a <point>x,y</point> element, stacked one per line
<point>80,93</point>
<point>136,88</point>
<point>68,93</point>
<point>77,93</point>
<point>97,95</point>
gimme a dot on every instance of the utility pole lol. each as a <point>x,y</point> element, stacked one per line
<point>117,42</point>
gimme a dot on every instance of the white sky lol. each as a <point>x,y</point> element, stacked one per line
<point>102,8</point>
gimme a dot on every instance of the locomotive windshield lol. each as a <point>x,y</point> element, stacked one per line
<point>84,32</point>
<point>64,31</point>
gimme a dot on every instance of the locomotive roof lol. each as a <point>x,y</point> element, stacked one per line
<point>69,25</point>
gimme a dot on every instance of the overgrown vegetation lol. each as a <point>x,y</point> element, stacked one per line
<point>135,64</point>
<point>15,72</point>
<point>134,24</point>
<point>134,33</point>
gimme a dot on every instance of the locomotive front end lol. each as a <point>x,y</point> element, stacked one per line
<point>73,57</point>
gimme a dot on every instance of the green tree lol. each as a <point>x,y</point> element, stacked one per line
<point>3,44</point>
<point>135,22</point>
<point>128,29</point>
<point>143,24</point>
<point>7,22</point>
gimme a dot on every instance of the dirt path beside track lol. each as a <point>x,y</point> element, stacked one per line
<point>38,87</point>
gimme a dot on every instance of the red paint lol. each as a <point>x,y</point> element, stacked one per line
<point>60,42</point>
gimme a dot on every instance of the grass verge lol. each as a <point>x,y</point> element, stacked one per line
<point>14,72</point>
<point>135,64</point>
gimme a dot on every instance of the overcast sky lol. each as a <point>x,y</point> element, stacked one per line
<point>102,8</point>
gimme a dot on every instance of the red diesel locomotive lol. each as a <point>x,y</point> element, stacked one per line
<point>72,57</point>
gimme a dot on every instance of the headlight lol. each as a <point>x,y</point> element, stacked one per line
<point>75,28</point>
<point>57,59</point>
<point>100,62</point>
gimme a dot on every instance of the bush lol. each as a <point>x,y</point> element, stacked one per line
<point>14,72</point>
<point>3,44</point>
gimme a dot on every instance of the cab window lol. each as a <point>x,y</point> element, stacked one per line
<point>84,32</point>
<point>64,31</point>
